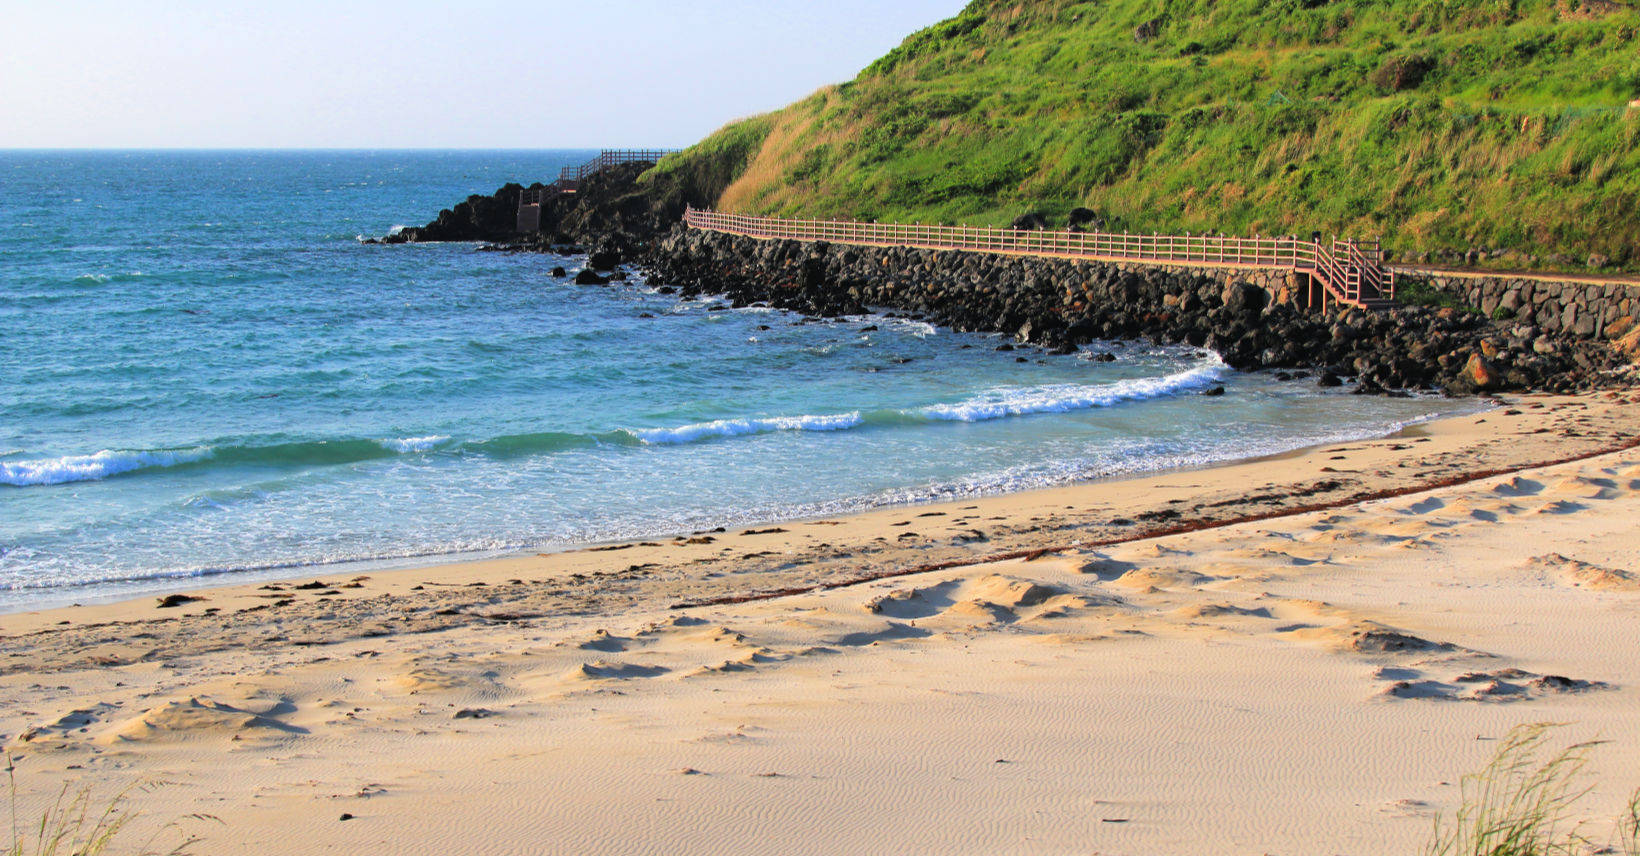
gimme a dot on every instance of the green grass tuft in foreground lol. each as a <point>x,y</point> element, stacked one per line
<point>77,825</point>
<point>1520,804</point>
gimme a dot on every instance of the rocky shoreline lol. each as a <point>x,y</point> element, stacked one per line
<point>1252,322</point>
<point>1061,304</point>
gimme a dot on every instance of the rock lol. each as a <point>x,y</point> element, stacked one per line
<point>1597,261</point>
<point>1034,221</point>
<point>588,277</point>
<point>559,273</point>
<point>1148,30</point>
<point>1244,298</point>
<point>1085,217</point>
<point>1628,345</point>
<point>1479,372</point>
<point>604,260</point>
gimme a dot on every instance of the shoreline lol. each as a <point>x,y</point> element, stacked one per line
<point>1141,660</point>
<point>194,583</point>
<point>122,607</point>
<point>184,582</point>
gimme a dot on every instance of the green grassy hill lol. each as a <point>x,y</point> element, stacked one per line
<point>1501,124</point>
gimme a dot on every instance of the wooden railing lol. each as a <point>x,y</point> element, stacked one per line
<point>570,178</point>
<point>608,158</point>
<point>1351,271</point>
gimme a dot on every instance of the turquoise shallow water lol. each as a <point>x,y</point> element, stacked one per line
<point>205,373</point>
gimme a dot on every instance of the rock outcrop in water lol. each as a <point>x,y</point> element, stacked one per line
<point>1060,304</point>
<point>611,212</point>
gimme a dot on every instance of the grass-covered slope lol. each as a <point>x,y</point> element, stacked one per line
<point>1502,124</point>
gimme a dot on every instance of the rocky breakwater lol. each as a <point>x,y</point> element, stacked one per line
<point>1060,304</point>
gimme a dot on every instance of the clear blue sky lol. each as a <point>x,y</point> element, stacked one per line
<point>422,74</point>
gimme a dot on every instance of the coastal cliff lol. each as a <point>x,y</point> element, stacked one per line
<point>1502,134</point>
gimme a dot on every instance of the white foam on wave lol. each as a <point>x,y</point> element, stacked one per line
<point>748,425</point>
<point>108,462</point>
<point>1065,397</point>
<point>920,329</point>
<point>992,404</point>
<point>413,444</point>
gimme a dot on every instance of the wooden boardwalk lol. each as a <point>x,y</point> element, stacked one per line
<point>1343,271</point>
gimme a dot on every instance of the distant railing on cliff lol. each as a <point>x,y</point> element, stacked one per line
<point>570,178</point>
<point>1349,271</point>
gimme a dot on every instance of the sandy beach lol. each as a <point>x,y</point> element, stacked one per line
<point>1293,655</point>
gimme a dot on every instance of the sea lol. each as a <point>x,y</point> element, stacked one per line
<point>206,376</point>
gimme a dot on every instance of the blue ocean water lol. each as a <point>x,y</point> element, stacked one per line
<point>204,372</point>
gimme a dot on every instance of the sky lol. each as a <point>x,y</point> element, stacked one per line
<point>422,74</point>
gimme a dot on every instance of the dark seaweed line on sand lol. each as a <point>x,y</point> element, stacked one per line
<point>1160,531</point>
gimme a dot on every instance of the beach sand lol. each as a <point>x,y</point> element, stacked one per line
<point>1293,655</point>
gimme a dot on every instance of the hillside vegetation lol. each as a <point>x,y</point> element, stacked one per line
<point>1502,125</point>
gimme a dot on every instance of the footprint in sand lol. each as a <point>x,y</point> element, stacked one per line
<point>1197,612</point>
<point>1106,568</point>
<point>915,603</point>
<point>993,599</point>
<point>1496,686</point>
<point>1584,487</point>
<point>891,632</point>
<point>1153,580</point>
<point>601,670</point>
<point>603,640</point>
<point>1518,486</point>
<point>78,720</point>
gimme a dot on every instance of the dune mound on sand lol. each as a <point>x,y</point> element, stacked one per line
<point>989,599</point>
<point>1584,487</point>
<point>613,670</point>
<point>1363,636</point>
<point>1156,579</point>
<point>429,680</point>
<point>1010,592</point>
<point>603,640</point>
<point>1582,574</point>
<point>200,717</point>
<point>1219,610</point>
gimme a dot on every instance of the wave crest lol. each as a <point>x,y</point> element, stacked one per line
<point>752,425</point>
<point>1065,397</point>
<point>405,445</point>
<point>100,465</point>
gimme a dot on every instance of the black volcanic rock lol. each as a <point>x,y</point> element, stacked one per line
<point>1029,222</point>
<point>1059,304</point>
